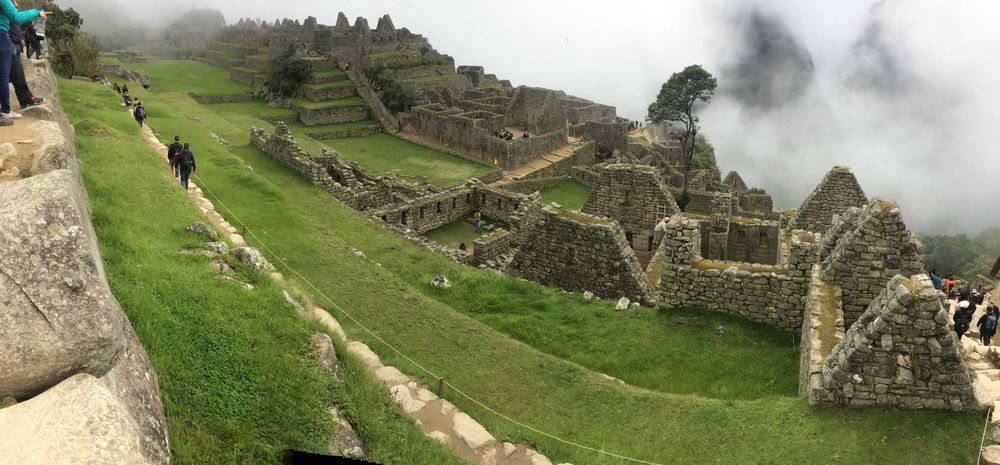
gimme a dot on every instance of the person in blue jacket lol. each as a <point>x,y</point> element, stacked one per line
<point>10,17</point>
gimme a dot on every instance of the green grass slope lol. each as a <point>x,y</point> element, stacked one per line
<point>534,353</point>
<point>190,77</point>
<point>237,379</point>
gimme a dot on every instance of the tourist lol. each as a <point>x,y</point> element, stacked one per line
<point>116,88</point>
<point>963,318</point>
<point>935,279</point>
<point>524,136</point>
<point>126,98</point>
<point>10,17</point>
<point>187,165</point>
<point>949,284</point>
<point>24,96</point>
<point>140,112</point>
<point>32,42</point>
<point>124,87</point>
<point>988,324</point>
<point>477,221</point>
<point>172,152</point>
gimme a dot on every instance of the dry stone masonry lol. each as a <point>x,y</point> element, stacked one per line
<point>838,191</point>
<point>900,353</point>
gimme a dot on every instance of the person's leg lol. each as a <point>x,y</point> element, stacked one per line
<point>5,55</point>
<point>185,176</point>
<point>24,96</point>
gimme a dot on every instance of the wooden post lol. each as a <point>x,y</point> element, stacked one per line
<point>441,387</point>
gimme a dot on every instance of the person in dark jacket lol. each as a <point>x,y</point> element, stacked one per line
<point>24,96</point>
<point>963,318</point>
<point>172,152</point>
<point>140,112</point>
<point>187,165</point>
<point>988,324</point>
<point>127,99</point>
<point>32,44</point>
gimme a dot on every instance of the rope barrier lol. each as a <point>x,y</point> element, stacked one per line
<point>983,441</point>
<point>400,353</point>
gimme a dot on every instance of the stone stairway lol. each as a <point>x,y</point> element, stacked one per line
<point>543,162</point>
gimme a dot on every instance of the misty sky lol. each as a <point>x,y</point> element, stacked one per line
<point>903,92</point>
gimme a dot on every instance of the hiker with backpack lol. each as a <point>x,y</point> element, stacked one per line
<point>126,98</point>
<point>172,153</point>
<point>988,324</point>
<point>186,164</point>
<point>140,112</point>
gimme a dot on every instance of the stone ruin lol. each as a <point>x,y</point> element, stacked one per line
<point>838,191</point>
<point>901,352</point>
<point>637,198</point>
<point>580,252</point>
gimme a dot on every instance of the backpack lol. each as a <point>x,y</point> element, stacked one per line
<point>140,112</point>
<point>991,322</point>
<point>186,160</point>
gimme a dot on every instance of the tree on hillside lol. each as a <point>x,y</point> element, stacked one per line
<point>73,53</point>
<point>957,254</point>
<point>287,73</point>
<point>675,104</point>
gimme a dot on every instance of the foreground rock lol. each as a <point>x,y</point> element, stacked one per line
<point>252,258</point>
<point>76,422</point>
<point>59,318</point>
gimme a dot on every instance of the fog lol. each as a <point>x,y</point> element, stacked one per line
<point>901,91</point>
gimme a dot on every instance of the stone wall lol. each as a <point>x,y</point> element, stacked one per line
<point>491,247</point>
<point>583,155</point>
<point>900,353</point>
<point>772,295</point>
<point>636,197</point>
<point>426,213</point>
<point>208,99</point>
<point>586,176</point>
<point>822,329</point>
<point>536,110</point>
<point>579,252</point>
<point>838,191</point>
<point>333,115</point>
<point>709,203</point>
<point>363,87</point>
<point>528,186</point>
<point>752,242</point>
<point>876,248</point>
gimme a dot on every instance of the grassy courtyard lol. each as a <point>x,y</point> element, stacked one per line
<point>381,153</point>
<point>569,193</point>
<point>190,77</point>
<point>535,354</point>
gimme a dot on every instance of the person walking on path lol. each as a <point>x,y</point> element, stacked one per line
<point>127,99</point>
<point>172,153</point>
<point>963,318</point>
<point>140,112</point>
<point>10,17</point>
<point>187,165</point>
<point>988,324</point>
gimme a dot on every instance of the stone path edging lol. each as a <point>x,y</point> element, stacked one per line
<point>436,417</point>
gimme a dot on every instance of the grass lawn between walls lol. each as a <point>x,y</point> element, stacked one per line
<point>534,353</point>
<point>237,377</point>
<point>569,193</point>
<point>189,77</point>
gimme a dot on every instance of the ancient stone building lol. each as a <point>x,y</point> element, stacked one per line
<point>637,198</point>
<point>769,294</point>
<point>901,352</point>
<point>838,191</point>
<point>874,245</point>
<point>580,252</point>
<point>735,182</point>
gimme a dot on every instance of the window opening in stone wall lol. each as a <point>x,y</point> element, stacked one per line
<point>499,203</point>
<point>468,198</point>
<point>741,237</point>
<point>763,240</point>
<point>385,218</point>
<point>439,207</point>
<point>421,212</point>
<point>403,217</point>
<point>454,202</point>
<point>890,263</point>
<point>628,237</point>
<point>482,199</point>
<point>649,245</point>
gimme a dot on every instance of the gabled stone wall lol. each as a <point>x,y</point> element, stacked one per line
<point>580,252</point>
<point>901,352</point>
<point>637,198</point>
<point>838,191</point>
<point>877,248</point>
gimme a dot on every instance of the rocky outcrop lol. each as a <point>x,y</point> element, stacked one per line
<point>86,391</point>
<point>60,317</point>
<point>79,421</point>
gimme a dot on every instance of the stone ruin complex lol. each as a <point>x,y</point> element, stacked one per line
<point>842,270</point>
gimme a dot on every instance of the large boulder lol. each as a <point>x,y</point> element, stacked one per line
<point>136,385</point>
<point>76,422</point>
<point>252,258</point>
<point>59,318</point>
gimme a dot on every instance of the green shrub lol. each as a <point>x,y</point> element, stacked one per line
<point>287,73</point>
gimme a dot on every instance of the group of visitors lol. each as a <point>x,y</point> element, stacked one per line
<point>966,303</point>
<point>182,162</point>
<point>17,32</point>
<point>507,135</point>
<point>634,125</point>
<point>948,284</point>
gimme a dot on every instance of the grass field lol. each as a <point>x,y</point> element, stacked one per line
<point>190,77</point>
<point>535,353</point>
<point>569,193</point>
<point>236,374</point>
<point>381,153</point>
<point>327,104</point>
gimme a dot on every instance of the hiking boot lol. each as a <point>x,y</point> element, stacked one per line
<point>35,101</point>
<point>13,114</point>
